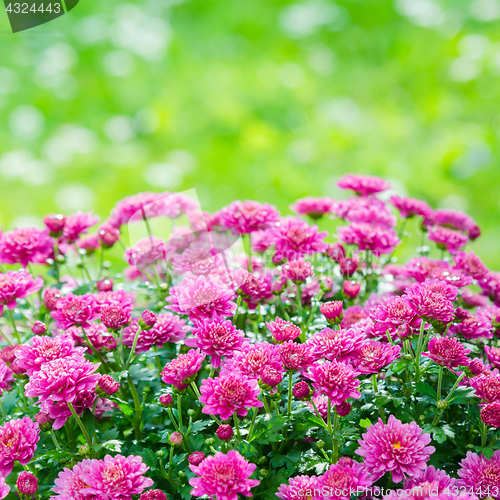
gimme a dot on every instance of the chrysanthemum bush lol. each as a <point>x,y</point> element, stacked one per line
<point>248,353</point>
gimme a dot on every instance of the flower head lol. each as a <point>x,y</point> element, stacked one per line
<point>55,224</point>
<point>115,316</point>
<point>224,432</point>
<point>153,495</point>
<point>298,488</point>
<point>345,478</point>
<point>490,414</point>
<point>17,285</point>
<point>216,337</point>
<point>283,330</point>
<point>395,447</point>
<point>378,239</point>
<point>372,356</point>
<point>363,185</point>
<point>106,386</point>
<point>471,265</point>
<point>230,392</point>
<point>430,305</point>
<point>295,356</point>
<point>393,314</point>
<point>196,458</point>
<point>183,369</point>
<point>77,224</point>
<point>447,352</point>
<point>25,245</point>
<point>76,310</point>
<point>493,355</point>
<point>479,473</point>
<point>248,216</point>
<point>332,311</point>
<point>18,440</point>
<point>334,344</point>
<point>487,387</point>
<point>252,358</point>
<point>223,477</point>
<point>447,238</point>
<point>335,379</point>
<point>27,485</point>
<point>313,207</point>
<point>409,207</point>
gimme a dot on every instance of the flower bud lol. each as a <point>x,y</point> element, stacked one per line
<point>460,315</point>
<point>175,439</point>
<point>320,444</point>
<point>105,285</point>
<point>84,450</point>
<point>224,432</point>
<point>39,328</point>
<point>165,400</point>
<point>270,378</point>
<point>343,409</point>
<point>191,412</point>
<point>332,311</point>
<point>153,495</point>
<point>302,391</point>
<point>348,267</point>
<point>160,453</point>
<point>44,421</point>
<point>262,461</point>
<point>326,283</point>
<point>50,298</point>
<point>55,224</point>
<point>147,319</point>
<point>196,458</point>
<point>336,252</point>
<point>278,286</point>
<point>442,404</point>
<point>27,485</point>
<point>351,289</point>
<point>106,386</point>
<point>108,235</point>
<point>210,441</point>
<point>263,473</point>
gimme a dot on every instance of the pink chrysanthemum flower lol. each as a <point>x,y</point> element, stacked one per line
<point>393,314</point>
<point>373,356</point>
<point>60,411</point>
<point>363,185</point>
<point>335,379</point>
<point>182,370</point>
<point>115,316</point>
<point>145,252</point>
<point>445,289</point>
<point>117,478</point>
<point>282,330</point>
<point>342,479</point>
<point>430,306</point>
<point>76,310</point>
<point>197,259</point>
<point>473,327</point>
<point>321,403</point>
<point>18,440</point>
<point>252,358</point>
<point>447,238</point>
<point>490,414</point>
<point>230,392</point>
<point>471,265</point>
<point>395,447</point>
<point>493,355</point>
<point>44,349</point>
<point>409,207</point>
<point>334,344</point>
<point>353,315</point>
<point>295,356</point>
<point>17,285</point>
<point>422,268</point>
<point>377,239</point>
<point>216,337</point>
<point>431,479</point>
<point>313,207</point>
<point>116,297</point>
<point>223,477</point>
<point>62,379</point>
<point>25,245</point>
<point>72,483</point>
<point>487,387</point>
<point>453,219</point>
<point>200,297</point>
<point>78,224</point>
<point>255,288</point>
<point>298,488</point>
<point>294,238</point>
<point>297,270</point>
<point>6,376</point>
<point>248,216</point>
<point>480,474</point>
<point>447,352</point>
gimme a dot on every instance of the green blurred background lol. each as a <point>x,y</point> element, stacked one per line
<point>268,99</point>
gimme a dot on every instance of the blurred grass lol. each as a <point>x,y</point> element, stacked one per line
<point>269,100</point>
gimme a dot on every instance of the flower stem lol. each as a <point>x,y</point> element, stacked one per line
<point>82,427</point>
<point>252,424</point>
<point>54,438</point>
<point>157,360</point>
<point>14,325</point>
<point>289,395</point>
<point>484,435</point>
<point>138,408</point>
<point>237,426</point>
<point>238,305</point>
<point>440,383</point>
<point>132,351</point>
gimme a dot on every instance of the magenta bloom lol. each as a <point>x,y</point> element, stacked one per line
<point>200,297</point>
<point>453,219</point>
<point>392,315</point>
<point>16,285</point>
<point>363,185</point>
<point>283,330</point>
<point>146,252</point>
<point>295,356</point>
<point>332,311</point>
<point>62,379</point>
<point>230,392</point>
<point>487,387</point>
<point>181,371</point>
<point>255,288</point>
<point>313,207</point>
<point>335,379</point>
<point>490,414</point>
<point>408,207</point>
<point>43,349</point>
<point>248,216</point>
<point>77,224</point>
<point>25,245</point>
<point>298,488</point>
<point>26,484</point>
<point>493,355</point>
<point>373,356</point>
<point>294,238</point>
<point>297,270</point>
<point>432,478</point>
<point>447,238</point>
<point>429,305</point>
<point>216,337</point>
<point>18,440</point>
<point>115,316</point>
<point>343,478</point>
<point>60,411</point>
<point>471,265</point>
<point>395,447</point>
<point>223,477</point>
<point>473,327</point>
<point>76,310</point>
<point>70,483</point>
<point>378,239</point>
<point>252,358</point>
<point>422,268</point>
<point>480,474</point>
<point>153,495</point>
<point>447,352</point>
<point>336,344</point>
<point>6,376</point>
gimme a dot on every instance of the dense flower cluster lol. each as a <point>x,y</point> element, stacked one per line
<point>249,352</point>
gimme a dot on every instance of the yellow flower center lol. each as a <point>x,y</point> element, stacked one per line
<point>397,445</point>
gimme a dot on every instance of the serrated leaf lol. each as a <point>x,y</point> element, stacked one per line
<point>9,400</point>
<point>462,395</point>
<point>199,425</point>
<point>424,388</point>
<point>317,421</point>
<point>110,434</point>
<point>113,445</point>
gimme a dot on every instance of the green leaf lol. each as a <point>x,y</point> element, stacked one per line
<point>9,401</point>
<point>317,421</point>
<point>487,451</point>
<point>424,388</point>
<point>463,395</point>
<point>125,408</point>
<point>199,425</point>
<point>365,423</point>
<point>110,434</point>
